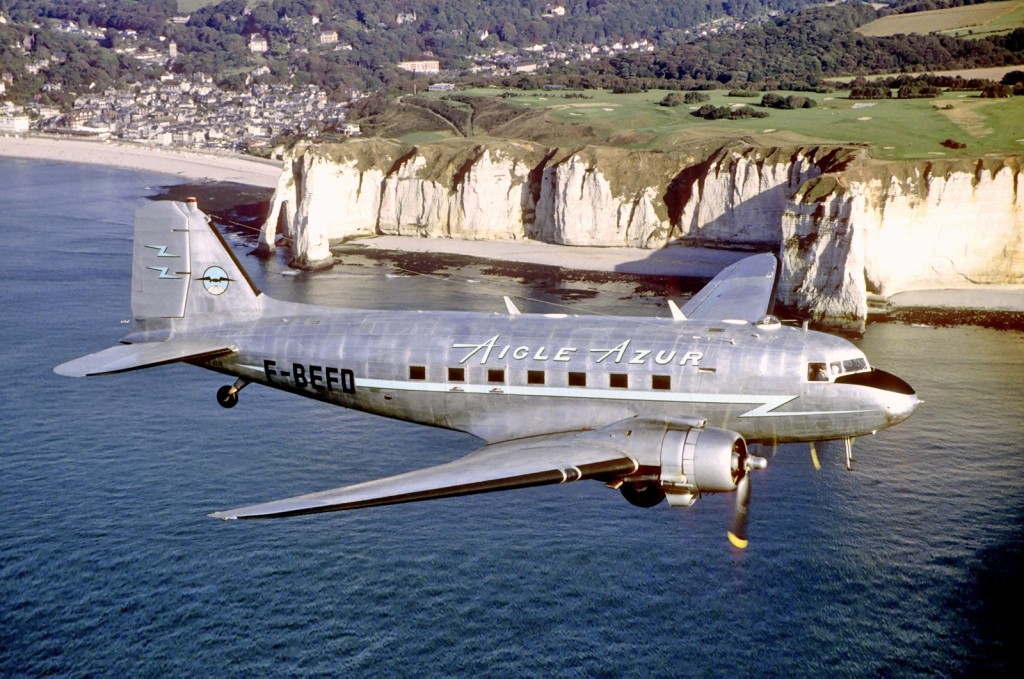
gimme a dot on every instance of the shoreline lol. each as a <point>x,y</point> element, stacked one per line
<point>189,165</point>
<point>694,262</point>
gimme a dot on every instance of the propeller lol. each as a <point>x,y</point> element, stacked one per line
<point>738,531</point>
<point>848,444</point>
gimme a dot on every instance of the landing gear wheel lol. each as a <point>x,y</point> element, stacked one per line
<point>642,494</point>
<point>227,397</point>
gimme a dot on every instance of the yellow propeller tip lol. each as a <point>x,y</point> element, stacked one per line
<point>739,543</point>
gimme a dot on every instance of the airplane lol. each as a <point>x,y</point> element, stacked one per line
<point>658,408</point>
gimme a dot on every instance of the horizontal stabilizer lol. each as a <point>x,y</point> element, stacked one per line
<point>126,357</point>
<point>536,461</point>
<point>744,291</point>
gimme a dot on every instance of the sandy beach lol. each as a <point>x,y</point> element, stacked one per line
<point>678,261</point>
<point>670,261</point>
<point>192,165</point>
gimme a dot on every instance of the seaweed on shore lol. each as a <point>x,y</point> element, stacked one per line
<point>998,319</point>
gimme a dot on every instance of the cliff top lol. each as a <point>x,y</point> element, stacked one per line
<point>891,128</point>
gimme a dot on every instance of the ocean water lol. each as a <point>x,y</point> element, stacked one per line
<point>109,564</point>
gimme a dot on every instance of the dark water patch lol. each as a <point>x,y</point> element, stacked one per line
<point>990,604</point>
<point>240,208</point>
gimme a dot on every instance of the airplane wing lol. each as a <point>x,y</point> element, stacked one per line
<point>536,461</point>
<point>124,357</point>
<point>744,290</point>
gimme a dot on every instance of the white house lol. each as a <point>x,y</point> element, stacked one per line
<point>15,124</point>
<point>422,66</point>
<point>258,44</point>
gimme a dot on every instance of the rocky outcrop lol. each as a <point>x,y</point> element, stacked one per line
<point>884,228</point>
<point>845,226</point>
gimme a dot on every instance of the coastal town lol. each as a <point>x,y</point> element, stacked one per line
<point>175,108</point>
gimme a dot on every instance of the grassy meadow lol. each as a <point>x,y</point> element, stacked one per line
<point>189,6</point>
<point>908,128</point>
<point>990,18</point>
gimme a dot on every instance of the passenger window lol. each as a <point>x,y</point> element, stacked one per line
<point>619,380</point>
<point>456,374</point>
<point>661,382</point>
<point>535,377</point>
<point>417,372</point>
<point>577,379</point>
<point>495,375</point>
<point>817,372</point>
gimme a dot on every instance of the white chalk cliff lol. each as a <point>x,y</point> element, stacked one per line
<point>884,228</point>
<point>844,226</point>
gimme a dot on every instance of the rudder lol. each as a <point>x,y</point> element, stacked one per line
<point>182,267</point>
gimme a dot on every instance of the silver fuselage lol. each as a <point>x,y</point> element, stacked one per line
<point>503,377</point>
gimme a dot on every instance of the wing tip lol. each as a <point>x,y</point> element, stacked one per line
<point>68,370</point>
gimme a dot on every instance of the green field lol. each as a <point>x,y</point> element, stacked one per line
<point>189,6</point>
<point>910,128</point>
<point>990,18</point>
<point>425,137</point>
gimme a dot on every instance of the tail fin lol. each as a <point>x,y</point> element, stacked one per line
<point>182,270</point>
<point>182,267</point>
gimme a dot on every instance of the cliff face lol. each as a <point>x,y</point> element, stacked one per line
<point>890,227</point>
<point>844,226</point>
<point>507,190</point>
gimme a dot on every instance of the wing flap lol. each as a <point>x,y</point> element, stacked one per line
<point>502,466</point>
<point>124,357</point>
<point>744,291</point>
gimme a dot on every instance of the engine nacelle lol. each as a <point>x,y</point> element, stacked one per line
<point>701,459</point>
<point>694,460</point>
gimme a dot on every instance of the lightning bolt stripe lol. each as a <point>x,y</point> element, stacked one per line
<point>161,251</point>
<point>163,271</point>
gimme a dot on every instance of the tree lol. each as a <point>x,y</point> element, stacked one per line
<point>508,32</point>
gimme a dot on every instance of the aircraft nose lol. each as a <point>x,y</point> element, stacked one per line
<point>898,398</point>
<point>899,407</point>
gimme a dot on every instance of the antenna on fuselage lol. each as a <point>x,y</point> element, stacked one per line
<point>512,310</point>
<point>677,313</point>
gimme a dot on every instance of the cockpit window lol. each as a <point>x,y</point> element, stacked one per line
<point>854,365</point>
<point>817,372</point>
<point>821,371</point>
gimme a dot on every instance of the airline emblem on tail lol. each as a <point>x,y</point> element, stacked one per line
<point>215,280</point>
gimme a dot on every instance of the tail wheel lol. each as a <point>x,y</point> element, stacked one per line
<point>227,397</point>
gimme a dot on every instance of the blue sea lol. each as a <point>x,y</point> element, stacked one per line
<point>109,564</point>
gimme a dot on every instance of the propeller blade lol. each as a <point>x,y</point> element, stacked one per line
<point>738,532</point>
<point>814,457</point>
